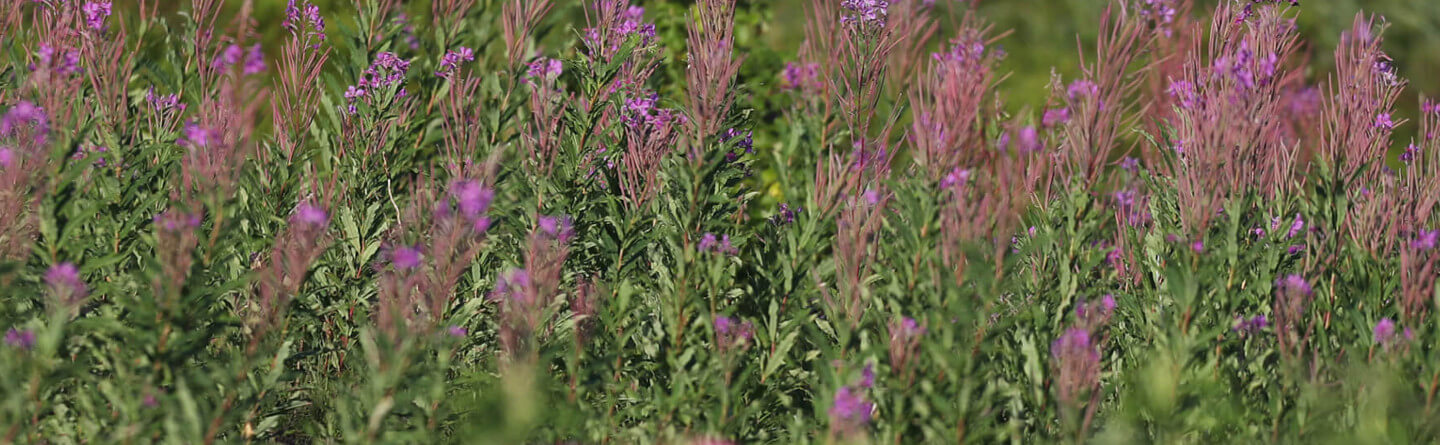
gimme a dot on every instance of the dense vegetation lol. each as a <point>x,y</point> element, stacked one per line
<point>526,221</point>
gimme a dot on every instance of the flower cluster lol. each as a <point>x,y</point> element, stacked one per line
<point>471,200</point>
<point>732,334</point>
<point>251,60</point>
<point>803,77</point>
<point>1385,333</point>
<point>25,117</point>
<point>68,62</point>
<point>305,18</point>
<point>95,15</point>
<point>1250,326</point>
<point>641,112</point>
<point>387,70</point>
<point>1160,13</point>
<point>65,286</point>
<point>544,70</point>
<point>709,243</point>
<point>865,14</point>
<point>744,140</point>
<point>20,339</point>
<point>850,411</point>
<point>628,23</point>
<point>1093,315</point>
<point>405,257</point>
<point>905,335</point>
<point>1076,358</point>
<point>452,60</point>
<point>785,215</point>
<point>1244,68</point>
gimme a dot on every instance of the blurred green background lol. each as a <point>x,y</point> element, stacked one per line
<point>1044,34</point>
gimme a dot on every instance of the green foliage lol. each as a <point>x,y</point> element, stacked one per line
<point>148,357</point>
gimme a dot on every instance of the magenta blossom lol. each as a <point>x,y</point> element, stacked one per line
<point>452,60</point>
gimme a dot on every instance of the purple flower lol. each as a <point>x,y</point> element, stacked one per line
<point>1093,315</point>
<point>955,180</point>
<point>1296,226</point>
<point>1198,246</point>
<point>1430,106</point>
<point>804,77</point>
<point>310,215</point>
<point>1160,12</point>
<point>545,69</point>
<point>631,23</point>
<point>95,14</point>
<point>254,60</point>
<point>20,339</point>
<point>294,16</point>
<point>1184,94</point>
<point>1411,152</point>
<point>1082,89</point>
<point>7,157</point>
<point>513,285</point>
<point>557,227</point>
<point>457,331</point>
<point>472,197</point>
<point>786,215</point>
<point>730,334</point>
<point>452,60</point>
<point>713,244</point>
<point>1384,331</point>
<point>1027,140</point>
<point>163,103</point>
<point>1130,164</point>
<point>228,57</point>
<point>850,412</point>
<point>744,140</point>
<point>1055,116</point>
<point>1426,240</point>
<point>866,13</point>
<point>1077,364</point>
<point>406,257</point>
<point>197,137</point>
<point>25,112</point>
<point>1250,326</point>
<point>63,281</point>
<point>385,71</point>
<point>1295,249</point>
<point>1383,122</point>
<point>1293,285</point>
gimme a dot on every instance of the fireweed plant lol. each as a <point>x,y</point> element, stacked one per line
<point>533,221</point>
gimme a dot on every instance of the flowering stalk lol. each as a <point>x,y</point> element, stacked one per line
<point>1096,107</point>
<point>297,88</point>
<point>299,244</point>
<point>1225,143</point>
<point>712,68</point>
<point>523,295</point>
<point>111,64</point>
<point>518,19</point>
<point>856,249</point>
<point>65,288</point>
<point>650,135</point>
<point>948,130</point>
<point>905,336</point>
<point>450,14</point>
<point>25,164</point>
<point>1357,109</point>
<point>439,235</point>
<point>1292,296</point>
<point>541,137</point>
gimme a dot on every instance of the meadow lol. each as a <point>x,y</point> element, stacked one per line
<point>716,222</point>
